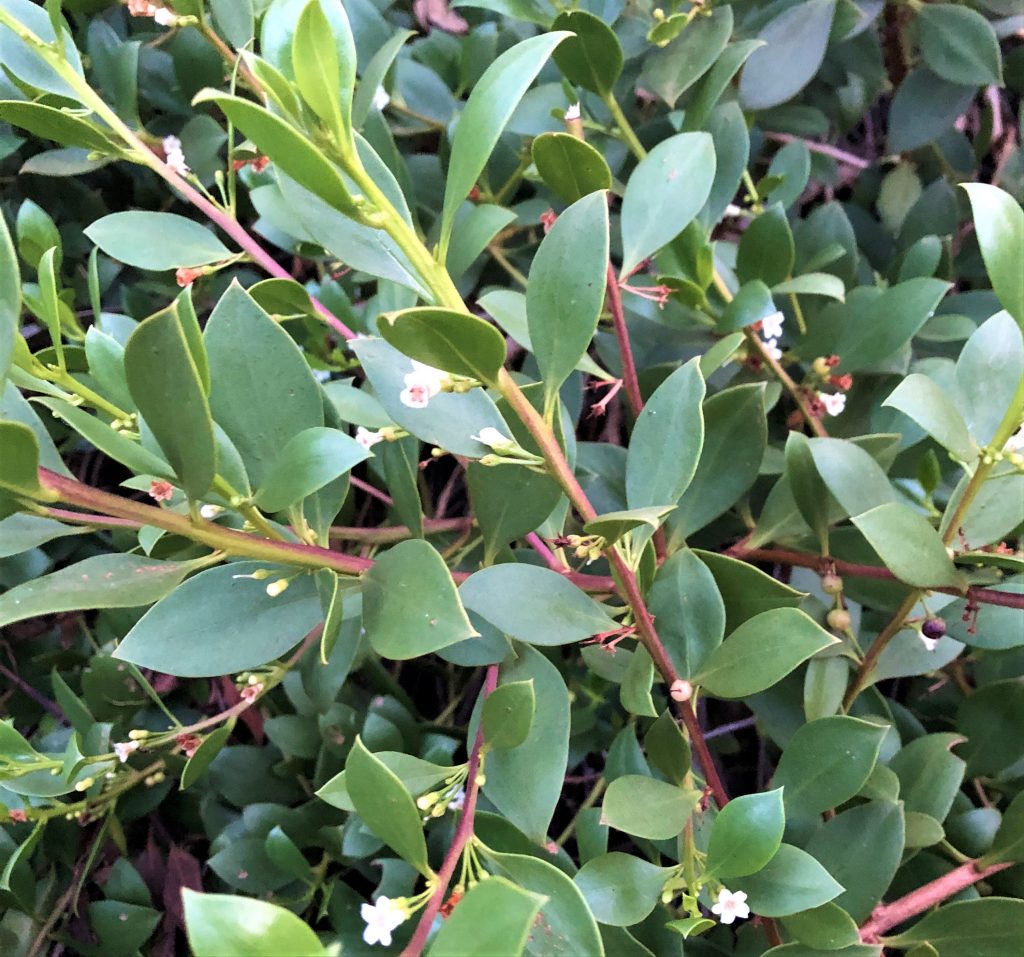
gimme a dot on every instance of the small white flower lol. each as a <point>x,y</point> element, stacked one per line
<point>210,511</point>
<point>573,113</point>
<point>380,98</point>
<point>165,17</point>
<point>771,326</point>
<point>834,404</point>
<point>123,749</point>
<point>730,906</point>
<point>381,919</point>
<point>174,156</point>
<point>275,588</point>
<point>368,438</point>
<point>929,643</point>
<point>421,385</point>
<point>491,437</point>
<point>681,690</point>
<point>458,801</point>
<point>1015,443</point>
<point>772,348</point>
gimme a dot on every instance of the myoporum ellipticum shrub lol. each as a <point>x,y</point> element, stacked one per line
<point>510,478</point>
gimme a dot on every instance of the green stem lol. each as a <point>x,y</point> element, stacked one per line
<point>588,802</point>
<point>628,134</point>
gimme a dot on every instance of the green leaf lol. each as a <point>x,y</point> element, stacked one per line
<point>490,106</point>
<point>495,917</point>
<point>1008,844</point>
<point>827,927</point>
<point>388,809</point>
<point>508,715</point>
<point>671,419</point>
<point>241,625</point>
<point>453,341</point>
<point>766,249</point>
<point>410,605</point>
<point>565,293</point>
<point>525,783</point>
<point>534,604</point>
<point>570,166</point>
<point>667,749</point>
<point>746,591</point>
<point>752,303</point>
<point>235,20</point>
<point>156,240</point>
<point>10,299</point>
<point>688,608</point>
<point>569,926</point>
<point>813,284</point>
<point>851,474</point>
<point>988,718</point>
<point>668,188</point>
<point>229,925</point>
<point>959,44</point>
<point>641,806</point>
<point>476,226</point>
<point>971,928</point>
<point>908,545</point>
<point>990,365</point>
<point>716,81</point>
<point>691,926</point>
<point>861,848</point>
<point>417,776</point>
<point>19,460</point>
<point>612,526</point>
<point>794,48</point>
<point>809,490</point>
<point>197,765</point>
<point>21,533</point>
<point>923,400</point>
<point>309,461</point>
<point>746,835</point>
<point>103,581</point>
<point>325,82</point>
<point>591,58</point>
<point>826,763</point>
<point>999,225</point>
<point>621,889</point>
<point>760,652</point>
<point>166,387</point>
<point>672,70</point>
<point>263,392</point>
<point>792,881</point>
<point>288,149</point>
<point>50,123</point>
<point>372,76</point>
<point>924,108</point>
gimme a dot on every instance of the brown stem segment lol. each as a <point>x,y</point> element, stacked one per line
<point>631,384</point>
<point>463,834</point>
<point>917,902</point>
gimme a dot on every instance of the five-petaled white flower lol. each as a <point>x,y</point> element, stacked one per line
<point>730,906</point>
<point>834,404</point>
<point>771,326</point>
<point>380,98</point>
<point>368,438</point>
<point>174,155</point>
<point>421,385</point>
<point>458,801</point>
<point>573,113</point>
<point>772,348</point>
<point>491,437</point>
<point>123,749</point>
<point>1015,443</point>
<point>381,919</point>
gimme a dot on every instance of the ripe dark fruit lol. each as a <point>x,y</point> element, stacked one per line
<point>933,628</point>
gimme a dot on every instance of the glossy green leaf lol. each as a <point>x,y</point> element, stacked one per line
<point>664,193</point>
<point>987,719</point>
<point>570,166</point>
<point>10,299</point>
<point>959,44</point>
<point>760,652</point>
<point>855,480</point>
<point>909,546</point>
<point>565,293</point>
<point>813,284</point>
<point>644,807</point>
<point>222,621</point>
<point>325,82</point>
<point>792,881</point>
<point>234,19</point>
<point>667,749</point>
<point>488,110</point>
<point>306,464</point>
<point>928,405</point>
<point>508,715</point>
<point>453,341</point>
<point>494,917</point>
<point>1008,843</point>
<point>410,605</point>
<point>971,928</point>
<point>166,387</point>
<point>826,763</point>
<point>592,58</point>
<point>388,809</point>
<point>924,108</point>
<point>766,249</point>
<point>746,591</point>
<point>672,70</point>
<point>672,418</point>
<point>197,765</point>
<point>19,459</point>
<point>827,927</point>
<point>50,123</point>
<point>621,889</point>
<point>612,526</point>
<point>417,776</point>
<point>999,225</point>
<point>990,366</point>
<point>746,835</point>
<point>227,925</point>
<point>183,242</point>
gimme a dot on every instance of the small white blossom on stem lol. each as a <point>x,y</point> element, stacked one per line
<point>421,385</point>
<point>368,438</point>
<point>277,587</point>
<point>174,156</point>
<point>123,749</point>
<point>771,326</point>
<point>1015,443</point>
<point>380,98</point>
<point>492,438</point>
<point>834,404</point>
<point>382,917</point>
<point>573,113</point>
<point>458,801</point>
<point>772,348</point>
<point>730,906</point>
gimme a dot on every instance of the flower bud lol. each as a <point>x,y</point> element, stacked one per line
<point>831,584</point>
<point>839,619</point>
<point>681,690</point>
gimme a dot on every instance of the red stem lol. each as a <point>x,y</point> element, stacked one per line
<point>630,382</point>
<point>550,558</point>
<point>920,900</point>
<point>823,148</point>
<point>463,834</point>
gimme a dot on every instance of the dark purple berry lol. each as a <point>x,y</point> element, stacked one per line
<point>933,628</point>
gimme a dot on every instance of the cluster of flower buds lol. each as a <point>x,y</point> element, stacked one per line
<point>590,547</point>
<point>437,803</point>
<point>831,402</point>
<point>162,15</point>
<point>367,438</point>
<point>506,450</point>
<point>257,164</point>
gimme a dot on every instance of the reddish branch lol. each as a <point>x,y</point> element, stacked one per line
<point>917,902</point>
<point>629,378</point>
<point>463,834</point>
<point>781,556</point>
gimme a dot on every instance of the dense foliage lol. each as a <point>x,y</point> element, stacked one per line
<point>511,479</point>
